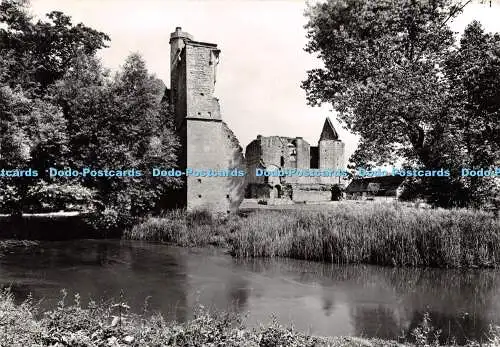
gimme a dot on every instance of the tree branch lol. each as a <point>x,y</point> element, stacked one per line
<point>452,13</point>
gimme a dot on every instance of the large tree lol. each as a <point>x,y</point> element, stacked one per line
<point>33,137</point>
<point>395,75</point>
<point>474,74</point>
<point>34,54</point>
<point>119,122</point>
<point>60,108</point>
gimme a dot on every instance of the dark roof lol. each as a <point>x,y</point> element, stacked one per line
<point>383,183</point>
<point>328,132</point>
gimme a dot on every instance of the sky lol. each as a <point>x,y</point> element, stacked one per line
<point>262,61</point>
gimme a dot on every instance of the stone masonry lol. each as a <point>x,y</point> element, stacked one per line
<point>207,143</point>
<point>278,152</point>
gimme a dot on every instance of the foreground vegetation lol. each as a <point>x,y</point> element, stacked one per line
<point>373,234</point>
<point>112,325</point>
<point>71,324</point>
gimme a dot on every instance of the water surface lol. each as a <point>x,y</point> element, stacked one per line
<point>322,299</point>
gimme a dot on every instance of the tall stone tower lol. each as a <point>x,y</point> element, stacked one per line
<point>331,149</point>
<point>207,143</point>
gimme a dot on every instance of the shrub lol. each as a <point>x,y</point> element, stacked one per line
<point>109,222</point>
<point>55,197</point>
<point>70,324</point>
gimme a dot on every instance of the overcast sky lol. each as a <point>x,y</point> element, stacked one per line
<point>262,62</point>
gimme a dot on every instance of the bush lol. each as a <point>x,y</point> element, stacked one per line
<point>336,193</point>
<point>19,327</point>
<point>55,197</point>
<point>109,222</point>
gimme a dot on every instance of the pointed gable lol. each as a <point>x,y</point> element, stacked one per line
<point>328,132</point>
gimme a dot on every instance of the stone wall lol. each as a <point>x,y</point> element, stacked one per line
<point>253,156</point>
<point>201,62</point>
<point>207,142</point>
<point>272,150</point>
<point>205,192</point>
<point>276,152</point>
<point>303,153</point>
<point>317,193</point>
<point>313,179</point>
<point>297,192</point>
<point>178,93</point>
<point>234,186</point>
<point>331,154</point>
<point>221,152</point>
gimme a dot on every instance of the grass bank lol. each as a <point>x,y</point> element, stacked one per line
<point>71,324</point>
<point>379,234</point>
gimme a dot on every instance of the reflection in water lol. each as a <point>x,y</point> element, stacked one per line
<point>328,305</point>
<point>325,299</point>
<point>379,320</point>
<point>237,293</point>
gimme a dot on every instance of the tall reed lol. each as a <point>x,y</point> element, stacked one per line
<point>372,234</point>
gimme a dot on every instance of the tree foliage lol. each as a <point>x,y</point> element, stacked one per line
<point>119,122</point>
<point>33,135</point>
<point>60,108</point>
<point>39,53</point>
<point>397,77</point>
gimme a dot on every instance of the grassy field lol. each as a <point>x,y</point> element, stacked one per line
<point>380,234</point>
<point>71,324</point>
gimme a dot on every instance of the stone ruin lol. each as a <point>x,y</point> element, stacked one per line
<point>279,152</point>
<point>207,143</point>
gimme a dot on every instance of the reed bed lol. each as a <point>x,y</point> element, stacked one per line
<point>372,233</point>
<point>195,229</point>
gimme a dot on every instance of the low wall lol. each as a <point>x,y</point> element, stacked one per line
<point>299,192</point>
<point>311,195</point>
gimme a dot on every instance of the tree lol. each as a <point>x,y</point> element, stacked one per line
<point>387,74</point>
<point>35,55</point>
<point>119,122</point>
<point>60,108</point>
<point>474,73</point>
<point>32,138</point>
<point>34,128</point>
<point>146,133</point>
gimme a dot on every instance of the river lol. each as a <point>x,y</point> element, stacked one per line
<point>322,299</point>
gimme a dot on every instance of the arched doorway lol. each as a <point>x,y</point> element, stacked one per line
<point>277,191</point>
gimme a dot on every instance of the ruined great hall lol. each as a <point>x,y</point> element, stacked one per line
<point>274,153</point>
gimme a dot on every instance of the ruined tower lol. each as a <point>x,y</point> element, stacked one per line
<point>330,148</point>
<point>207,143</point>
